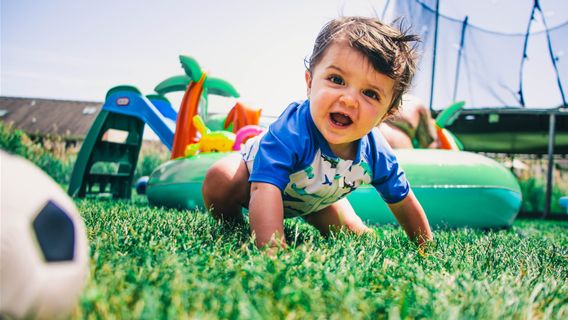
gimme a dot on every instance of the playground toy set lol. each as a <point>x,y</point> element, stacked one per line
<point>456,188</point>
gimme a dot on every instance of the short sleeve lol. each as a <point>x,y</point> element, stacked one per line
<point>388,177</point>
<point>283,148</point>
<point>274,161</point>
<point>392,186</point>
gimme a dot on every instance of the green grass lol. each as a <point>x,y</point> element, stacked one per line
<point>153,263</point>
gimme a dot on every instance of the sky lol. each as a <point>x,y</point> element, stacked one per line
<point>78,50</point>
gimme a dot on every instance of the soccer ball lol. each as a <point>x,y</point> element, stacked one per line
<point>44,254</point>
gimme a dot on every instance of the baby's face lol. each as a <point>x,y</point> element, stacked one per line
<point>348,97</point>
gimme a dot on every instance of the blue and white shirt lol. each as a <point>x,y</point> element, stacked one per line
<point>295,157</point>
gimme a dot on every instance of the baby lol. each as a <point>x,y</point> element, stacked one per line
<point>321,149</point>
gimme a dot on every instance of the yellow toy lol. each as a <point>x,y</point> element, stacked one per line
<point>211,141</point>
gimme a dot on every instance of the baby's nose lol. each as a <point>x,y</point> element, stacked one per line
<point>349,100</point>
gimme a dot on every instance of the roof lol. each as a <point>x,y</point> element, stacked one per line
<point>68,119</point>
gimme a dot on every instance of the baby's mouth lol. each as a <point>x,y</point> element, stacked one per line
<point>340,119</point>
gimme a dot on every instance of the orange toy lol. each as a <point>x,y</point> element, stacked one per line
<point>185,129</point>
<point>446,141</point>
<point>241,116</point>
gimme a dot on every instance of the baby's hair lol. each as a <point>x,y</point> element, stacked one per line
<point>391,51</point>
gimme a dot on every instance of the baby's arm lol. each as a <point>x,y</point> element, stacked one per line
<point>411,217</point>
<point>266,213</point>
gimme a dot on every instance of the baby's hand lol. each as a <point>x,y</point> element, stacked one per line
<point>424,248</point>
<point>272,251</point>
<point>422,252</point>
<point>273,246</point>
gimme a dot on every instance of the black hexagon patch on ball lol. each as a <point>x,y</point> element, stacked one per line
<point>55,233</point>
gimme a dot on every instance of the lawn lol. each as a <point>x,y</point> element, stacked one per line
<point>153,263</point>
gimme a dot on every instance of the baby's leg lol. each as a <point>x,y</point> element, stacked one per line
<point>226,188</point>
<point>336,216</point>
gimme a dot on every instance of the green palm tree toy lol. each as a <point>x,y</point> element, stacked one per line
<point>197,86</point>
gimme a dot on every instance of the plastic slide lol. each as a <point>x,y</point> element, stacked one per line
<point>129,101</point>
<point>163,105</point>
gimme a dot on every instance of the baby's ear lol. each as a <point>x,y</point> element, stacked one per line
<point>394,107</point>
<point>384,117</point>
<point>308,82</point>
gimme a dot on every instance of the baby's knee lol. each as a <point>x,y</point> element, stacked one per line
<point>224,178</point>
<point>216,182</point>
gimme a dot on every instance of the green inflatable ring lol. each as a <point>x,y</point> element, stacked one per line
<point>456,188</point>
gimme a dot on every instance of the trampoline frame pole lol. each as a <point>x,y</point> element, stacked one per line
<point>434,55</point>
<point>550,169</point>
<point>458,65</point>
<point>385,10</point>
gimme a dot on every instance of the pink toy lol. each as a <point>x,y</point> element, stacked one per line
<point>246,133</point>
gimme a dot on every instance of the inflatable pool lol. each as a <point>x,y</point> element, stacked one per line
<point>456,188</point>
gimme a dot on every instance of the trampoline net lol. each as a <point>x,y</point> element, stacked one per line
<point>486,65</point>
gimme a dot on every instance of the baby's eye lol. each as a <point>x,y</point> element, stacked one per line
<point>371,94</point>
<point>336,79</point>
